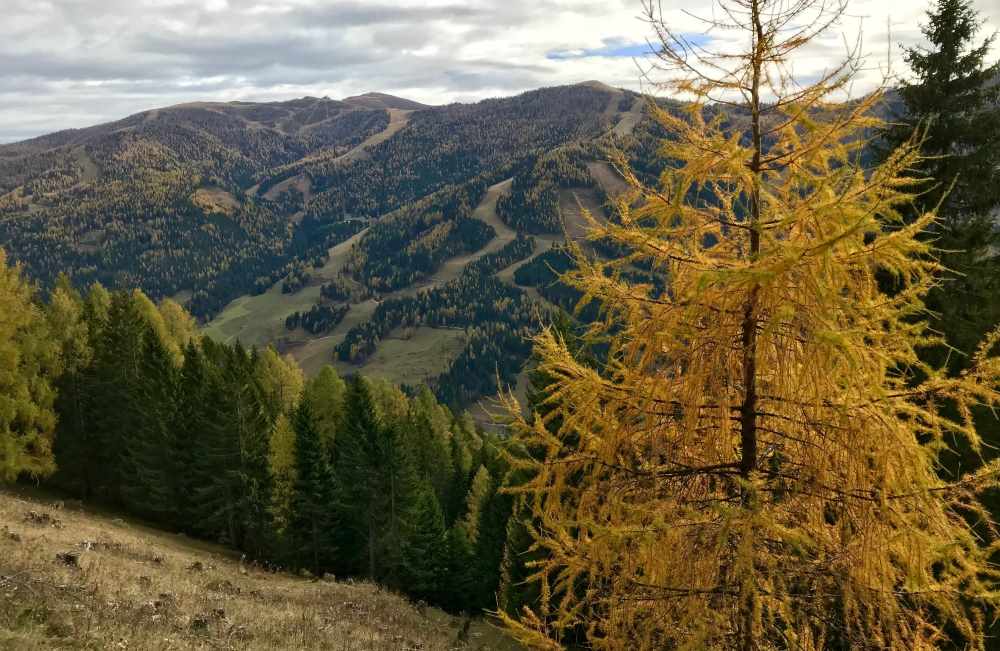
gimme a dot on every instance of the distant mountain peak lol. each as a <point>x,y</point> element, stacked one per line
<point>599,85</point>
<point>384,100</point>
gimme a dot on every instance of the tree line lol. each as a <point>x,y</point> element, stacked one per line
<point>116,399</point>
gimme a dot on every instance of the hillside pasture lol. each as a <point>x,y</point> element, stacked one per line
<point>75,578</point>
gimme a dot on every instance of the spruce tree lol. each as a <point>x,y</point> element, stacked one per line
<point>74,384</point>
<point>952,100</point>
<point>425,549</point>
<point>191,424</point>
<point>233,493</point>
<point>429,429</point>
<point>358,477</point>
<point>152,480</point>
<point>117,361</point>
<point>460,583</point>
<point>488,550</point>
<point>376,483</point>
<point>478,495</point>
<point>311,525</point>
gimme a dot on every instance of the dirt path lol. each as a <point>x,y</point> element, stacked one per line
<point>628,121</point>
<point>398,118</point>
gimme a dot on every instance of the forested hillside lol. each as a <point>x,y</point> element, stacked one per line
<point>117,400</point>
<point>210,201</point>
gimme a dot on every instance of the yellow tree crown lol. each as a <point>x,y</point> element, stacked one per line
<point>755,465</point>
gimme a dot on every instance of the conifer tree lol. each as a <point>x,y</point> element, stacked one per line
<point>754,467</point>
<point>179,326</point>
<point>311,524</point>
<point>376,484</point>
<point>281,382</point>
<point>475,501</point>
<point>459,583</point>
<point>154,483</point>
<point>520,555</point>
<point>27,357</point>
<point>325,394</point>
<point>952,98</point>
<point>233,485</point>
<point>282,473</point>
<point>425,549</point>
<point>117,361</point>
<point>72,448</point>
<point>518,593</point>
<point>432,441</point>
<point>952,103</point>
<point>488,550</point>
<point>97,307</point>
<point>192,424</point>
<point>357,473</point>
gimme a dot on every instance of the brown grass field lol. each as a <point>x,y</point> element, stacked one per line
<point>123,585</point>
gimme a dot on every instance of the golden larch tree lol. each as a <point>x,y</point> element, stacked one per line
<point>754,466</point>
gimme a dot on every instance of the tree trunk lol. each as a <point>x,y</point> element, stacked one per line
<point>371,547</point>
<point>749,408</point>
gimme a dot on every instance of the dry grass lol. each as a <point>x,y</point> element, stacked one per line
<point>608,178</point>
<point>414,355</point>
<point>133,587</point>
<point>215,200</point>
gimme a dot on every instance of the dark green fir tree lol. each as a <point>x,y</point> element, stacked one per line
<point>311,525</point>
<point>425,549</point>
<point>952,96</point>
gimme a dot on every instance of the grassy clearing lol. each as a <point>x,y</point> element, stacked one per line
<point>572,203</point>
<point>412,356</point>
<point>630,118</point>
<point>299,182</point>
<point>607,177</point>
<point>215,200</point>
<point>398,118</point>
<point>260,320</point>
<point>133,587</point>
<point>88,168</point>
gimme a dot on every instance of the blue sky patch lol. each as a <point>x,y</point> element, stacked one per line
<point>619,48</point>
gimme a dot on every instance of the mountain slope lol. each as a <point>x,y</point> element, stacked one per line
<point>210,201</point>
<point>120,584</point>
<point>382,100</point>
<point>373,233</point>
<point>411,264</point>
<point>156,200</point>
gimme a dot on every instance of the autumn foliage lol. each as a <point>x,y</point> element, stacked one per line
<point>755,465</point>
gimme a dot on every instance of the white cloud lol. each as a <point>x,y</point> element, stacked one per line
<point>70,63</point>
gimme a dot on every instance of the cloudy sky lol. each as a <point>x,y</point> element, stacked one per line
<point>72,63</point>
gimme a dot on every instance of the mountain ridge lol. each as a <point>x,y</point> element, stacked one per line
<point>238,206</point>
